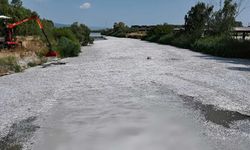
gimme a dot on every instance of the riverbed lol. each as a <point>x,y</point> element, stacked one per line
<point>126,94</point>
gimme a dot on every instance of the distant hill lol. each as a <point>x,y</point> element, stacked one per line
<point>59,25</point>
<point>92,28</point>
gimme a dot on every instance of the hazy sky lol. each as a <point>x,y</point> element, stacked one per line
<point>105,12</point>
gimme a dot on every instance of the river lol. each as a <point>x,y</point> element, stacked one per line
<point>126,94</point>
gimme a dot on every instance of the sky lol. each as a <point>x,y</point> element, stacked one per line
<point>103,13</point>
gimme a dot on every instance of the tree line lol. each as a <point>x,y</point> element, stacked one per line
<point>205,30</point>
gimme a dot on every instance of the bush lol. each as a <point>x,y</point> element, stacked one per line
<point>119,30</point>
<point>153,38</point>
<point>210,45</point>
<point>64,32</point>
<point>156,33</point>
<point>223,46</point>
<point>9,64</point>
<point>240,49</point>
<point>118,33</point>
<point>166,39</point>
<point>183,41</point>
<point>107,32</point>
<point>32,64</point>
<point>82,33</point>
<point>68,48</point>
<point>160,30</point>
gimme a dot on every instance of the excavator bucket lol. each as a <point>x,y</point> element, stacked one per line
<point>52,53</point>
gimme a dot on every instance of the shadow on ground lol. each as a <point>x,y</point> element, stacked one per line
<point>226,60</point>
<point>214,114</point>
<point>239,69</point>
<point>19,133</point>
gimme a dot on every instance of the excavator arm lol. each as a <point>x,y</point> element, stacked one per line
<point>10,28</point>
<point>13,25</point>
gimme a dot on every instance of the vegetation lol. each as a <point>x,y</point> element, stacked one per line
<point>70,39</point>
<point>223,46</point>
<point>66,32</point>
<point>68,48</point>
<point>166,39</point>
<point>10,64</point>
<point>155,34</point>
<point>119,30</point>
<point>161,30</point>
<point>75,36</point>
<point>16,3</point>
<point>17,12</point>
<point>82,33</point>
<point>206,31</point>
<point>197,20</point>
<point>223,20</point>
<point>31,64</point>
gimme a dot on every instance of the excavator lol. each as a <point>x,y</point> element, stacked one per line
<point>11,42</point>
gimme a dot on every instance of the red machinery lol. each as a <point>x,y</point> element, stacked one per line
<point>10,40</point>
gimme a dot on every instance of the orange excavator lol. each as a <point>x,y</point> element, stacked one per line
<point>11,42</point>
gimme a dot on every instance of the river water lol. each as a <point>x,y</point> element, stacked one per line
<point>125,94</point>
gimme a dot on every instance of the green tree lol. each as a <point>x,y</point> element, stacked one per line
<point>64,32</point>
<point>120,26</point>
<point>160,30</point>
<point>120,29</point>
<point>68,48</point>
<point>197,19</point>
<point>4,2</point>
<point>224,19</point>
<point>17,3</point>
<point>82,33</point>
<point>4,8</point>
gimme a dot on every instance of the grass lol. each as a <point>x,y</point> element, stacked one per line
<point>68,48</point>
<point>222,46</point>
<point>32,64</point>
<point>166,39</point>
<point>9,64</point>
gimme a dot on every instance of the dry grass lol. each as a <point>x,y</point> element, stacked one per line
<point>137,35</point>
<point>29,47</point>
<point>8,64</point>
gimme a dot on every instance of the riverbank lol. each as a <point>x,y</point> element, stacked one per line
<point>29,54</point>
<point>206,30</point>
<point>11,64</point>
<point>213,45</point>
<point>221,46</point>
